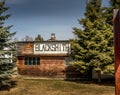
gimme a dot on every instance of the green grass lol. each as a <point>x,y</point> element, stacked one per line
<point>57,87</point>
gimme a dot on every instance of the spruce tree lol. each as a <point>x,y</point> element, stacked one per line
<point>108,11</point>
<point>39,38</point>
<point>7,48</point>
<point>93,45</point>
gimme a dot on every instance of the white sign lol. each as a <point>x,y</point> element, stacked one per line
<point>52,48</point>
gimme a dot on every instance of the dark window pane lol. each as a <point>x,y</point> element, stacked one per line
<point>26,61</point>
<point>38,60</point>
<point>34,61</point>
<point>30,61</point>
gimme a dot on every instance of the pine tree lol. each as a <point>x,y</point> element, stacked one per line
<point>7,47</point>
<point>39,38</point>
<point>108,11</point>
<point>93,46</point>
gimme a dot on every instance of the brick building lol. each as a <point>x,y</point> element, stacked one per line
<point>44,58</point>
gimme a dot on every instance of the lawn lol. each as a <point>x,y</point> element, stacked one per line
<point>58,87</point>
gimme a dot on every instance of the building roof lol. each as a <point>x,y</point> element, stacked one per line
<point>43,41</point>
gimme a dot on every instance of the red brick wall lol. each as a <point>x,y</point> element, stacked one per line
<point>49,66</point>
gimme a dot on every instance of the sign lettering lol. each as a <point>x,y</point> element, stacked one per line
<point>51,48</point>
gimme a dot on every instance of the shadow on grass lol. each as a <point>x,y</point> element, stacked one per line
<point>7,88</point>
<point>105,82</point>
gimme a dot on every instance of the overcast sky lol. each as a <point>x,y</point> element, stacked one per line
<point>33,17</point>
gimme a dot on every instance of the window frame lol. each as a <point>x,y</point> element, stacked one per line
<point>31,61</point>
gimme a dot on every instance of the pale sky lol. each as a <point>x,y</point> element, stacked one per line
<point>33,17</point>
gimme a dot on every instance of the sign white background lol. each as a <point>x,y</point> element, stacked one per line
<point>52,48</point>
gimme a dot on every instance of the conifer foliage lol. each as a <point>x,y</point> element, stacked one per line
<point>39,38</point>
<point>93,45</point>
<point>108,11</point>
<point>7,48</point>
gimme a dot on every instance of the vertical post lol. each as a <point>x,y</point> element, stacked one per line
<point>116,19</point>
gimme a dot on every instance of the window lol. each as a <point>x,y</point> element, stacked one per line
<point>32,60</point>
<point>38,61</point>
<point>26,60</point>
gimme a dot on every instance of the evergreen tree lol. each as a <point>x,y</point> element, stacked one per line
<point>7,48</point>
<point>93,46</point>
<point>108,11</point>
<point>39,38</point>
